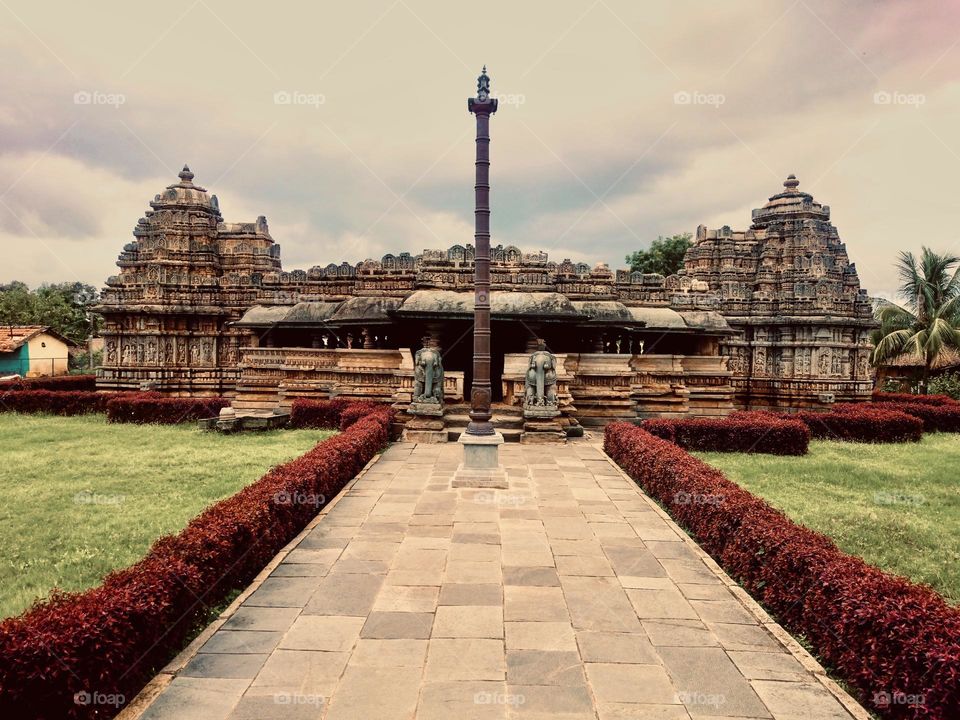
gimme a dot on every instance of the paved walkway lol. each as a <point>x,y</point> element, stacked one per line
<point>570,595</point>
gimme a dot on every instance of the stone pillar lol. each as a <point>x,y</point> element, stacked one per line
<point>481,465</point>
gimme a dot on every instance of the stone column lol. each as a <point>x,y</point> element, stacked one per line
<point>481,465</point>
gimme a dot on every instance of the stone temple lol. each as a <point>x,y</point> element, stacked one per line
<point>768,317</point>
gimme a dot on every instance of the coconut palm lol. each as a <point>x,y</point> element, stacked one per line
<point>928,322</point>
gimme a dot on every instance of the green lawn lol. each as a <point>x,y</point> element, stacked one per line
<point>896,506</point>
<point>80,497</point>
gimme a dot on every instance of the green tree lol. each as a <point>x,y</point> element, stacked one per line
<point>665,255</point>
<point>929,319</point>
<point>65,307</point>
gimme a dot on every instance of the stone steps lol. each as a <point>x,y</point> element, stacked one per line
<point>507,419</point>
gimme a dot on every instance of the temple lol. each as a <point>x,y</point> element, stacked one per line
<point>769,317</point>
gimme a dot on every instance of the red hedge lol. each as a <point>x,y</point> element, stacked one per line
<point>162,410</point>
<point>862,422</point>
<point>883,634</point>
<point>356,411</point>
<point>323,414</point>
<point>112,639</point>
<point>741,432</point>
<point>938,400</point>
<point>57,383</point>
<point>936,418</point>
<point>67,402</point>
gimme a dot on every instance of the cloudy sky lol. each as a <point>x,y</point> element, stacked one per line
<point>345,123</point>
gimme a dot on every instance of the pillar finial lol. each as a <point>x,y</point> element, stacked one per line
<point>483,85</point>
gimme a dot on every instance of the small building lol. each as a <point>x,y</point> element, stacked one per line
<point>33,351</point>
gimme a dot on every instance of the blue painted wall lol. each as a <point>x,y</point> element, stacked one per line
<point>17,361</point>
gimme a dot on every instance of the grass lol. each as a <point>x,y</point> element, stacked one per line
<point>80,497</point>
<point>896,506</point>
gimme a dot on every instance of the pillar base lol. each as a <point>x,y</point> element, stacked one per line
<point>481,462</point>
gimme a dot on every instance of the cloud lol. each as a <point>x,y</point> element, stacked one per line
<point>385,162</point>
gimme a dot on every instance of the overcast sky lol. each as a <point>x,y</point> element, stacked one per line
<point>345,123</point>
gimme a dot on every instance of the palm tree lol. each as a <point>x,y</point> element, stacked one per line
<point>929,320</point>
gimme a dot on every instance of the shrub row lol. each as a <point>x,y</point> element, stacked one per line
<point>938,400</point>
<point>936,418</point>
<point>161,410</point>
<point>883,634</point>
<point>329,414</point>
<point>58,383</point>
<point>741,432</point>
<point>111,639</point>
<point>865,422</point>
<point>66,402</point>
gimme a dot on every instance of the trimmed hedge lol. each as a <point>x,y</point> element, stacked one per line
<point>56,383</point>
<point>864,422</point>
<point>111,639</point>
<point>67,402</point>
<point>322,414</point>
<point>741,432</point>
<point>162,410</point>
<point>936,418</point>
<point>356,411</point>
<point>938,400</point>
<point>883,634</point>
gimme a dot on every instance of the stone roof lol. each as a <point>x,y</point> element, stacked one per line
<point>450,303</point>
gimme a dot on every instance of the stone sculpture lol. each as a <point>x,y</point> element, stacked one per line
<point>540,392</point>
<point>427,382</point>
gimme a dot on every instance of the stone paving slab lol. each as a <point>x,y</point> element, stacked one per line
<point>568,595</point>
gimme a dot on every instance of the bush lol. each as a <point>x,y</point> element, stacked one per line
<point>146,409</point>
<point>355,411</point>
<point>881,633</point>
<point>57,383</point>
<point>111,639</point>
<point>947,384</point>
<point>938,400</point>
<point>741,432</point>
<point>863,423</point>
<point>65,402</point>
<point>936,418</point>
<point>322,414</point>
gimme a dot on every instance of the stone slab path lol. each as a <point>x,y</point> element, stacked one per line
<point>570,595</point>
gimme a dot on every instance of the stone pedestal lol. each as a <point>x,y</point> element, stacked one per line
<point>542,425</point>
<point>481,462</point>
<point>426,425</point>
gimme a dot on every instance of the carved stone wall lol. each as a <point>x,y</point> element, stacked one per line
<point>789,289</point>
<point>785,285</point>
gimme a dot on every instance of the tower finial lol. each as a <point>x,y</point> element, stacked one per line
<point>185,174</point>
<point>791,183</point>
<point>483,85</point>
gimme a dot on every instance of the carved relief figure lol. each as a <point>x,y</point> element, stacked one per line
<point>111,352</point>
